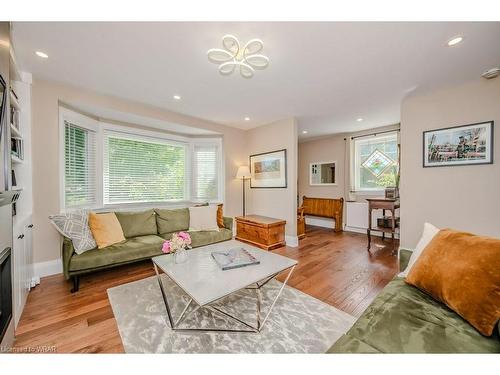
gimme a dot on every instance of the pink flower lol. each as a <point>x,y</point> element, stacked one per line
<point>185,237</point>
<point>166,247</point>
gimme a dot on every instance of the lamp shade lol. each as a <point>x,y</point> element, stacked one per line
<point>243,172</point>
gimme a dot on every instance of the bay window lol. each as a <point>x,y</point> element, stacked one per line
<point>114,165</point>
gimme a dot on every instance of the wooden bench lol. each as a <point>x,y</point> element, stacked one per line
<point>325,207</point>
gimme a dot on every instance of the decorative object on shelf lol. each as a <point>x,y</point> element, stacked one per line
<point>13,178</point>
<point>386,222</point>
<point>243,174</point>
<point>16,148</point>
<point>459,145</point>
<point>248,58</point>
<point>178,245</point>
<point>391,192</point>
<point>268,170</point>
<point>322,173</point>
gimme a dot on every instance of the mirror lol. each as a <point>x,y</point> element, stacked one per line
<point>323,173</point>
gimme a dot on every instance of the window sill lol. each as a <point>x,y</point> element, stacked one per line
<point>369,192</point>
<point>139,206</point>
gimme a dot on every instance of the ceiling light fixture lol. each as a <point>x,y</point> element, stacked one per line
<point>42,54</point>
<point>247,118</point>
<point>247,58</point>
<point>177,97</point>
<point>455,41</point>
<point>359,119</point>
<point>304,131</point>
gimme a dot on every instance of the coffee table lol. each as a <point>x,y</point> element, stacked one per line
<point>205,283</point>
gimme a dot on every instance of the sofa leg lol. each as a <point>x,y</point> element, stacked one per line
<point>76,284</point>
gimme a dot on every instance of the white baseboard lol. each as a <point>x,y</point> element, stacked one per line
<point>51,267</point>
<point>320,222</point>
<point>292,241</point>
<point>363,231</point>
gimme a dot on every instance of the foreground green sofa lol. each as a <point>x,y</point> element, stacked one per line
<point>145,232</point>
<point>402,319</point>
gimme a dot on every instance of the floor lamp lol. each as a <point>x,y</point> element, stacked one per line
<point>243,174</point>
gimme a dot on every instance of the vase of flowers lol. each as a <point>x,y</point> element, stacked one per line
<point>178,245</point>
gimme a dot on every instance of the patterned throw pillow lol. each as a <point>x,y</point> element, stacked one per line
<point>75,226</point>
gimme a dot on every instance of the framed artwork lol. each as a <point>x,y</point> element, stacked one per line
<point>268,170</point>
<point>459,145</point>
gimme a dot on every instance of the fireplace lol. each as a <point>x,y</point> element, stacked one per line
<point>5,290</point>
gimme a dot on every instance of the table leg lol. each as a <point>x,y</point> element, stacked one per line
<point>393,222</point>
<point>383,233</point>
<point>369,227</point>
<point>259,306</point>
<point>164,295</point>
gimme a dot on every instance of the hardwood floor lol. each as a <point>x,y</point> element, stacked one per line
<point>333,267</point>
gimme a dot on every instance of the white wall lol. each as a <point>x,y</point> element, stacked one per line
<point>460,197</point>
<point>276,202</point>
<point>46,97</point>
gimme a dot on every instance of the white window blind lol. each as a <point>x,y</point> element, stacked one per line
<point>79,166</point>
<point>206,172</point>
<point>141,169</point>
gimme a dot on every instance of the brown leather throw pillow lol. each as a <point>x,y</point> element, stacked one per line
<point>220,216</point>
<point>462,270</point>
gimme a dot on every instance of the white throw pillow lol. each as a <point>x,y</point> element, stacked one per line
<point>429,232</point>
<point>75,226</point>
<point>203,218</point>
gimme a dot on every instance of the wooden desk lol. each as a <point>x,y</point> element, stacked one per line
<point>382,204</point>
<point>265,232</point>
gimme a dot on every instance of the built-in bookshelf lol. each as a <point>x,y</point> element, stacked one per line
<point>21,180</point>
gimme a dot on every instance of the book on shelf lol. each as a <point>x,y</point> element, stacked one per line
<point>234,258</point>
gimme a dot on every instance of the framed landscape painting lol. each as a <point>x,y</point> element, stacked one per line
<point>268,170</point>
<point>459,145</point>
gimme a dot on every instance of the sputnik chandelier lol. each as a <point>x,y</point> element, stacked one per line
<point>232,56</point>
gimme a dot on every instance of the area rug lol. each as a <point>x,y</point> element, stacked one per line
<point>298,322</point>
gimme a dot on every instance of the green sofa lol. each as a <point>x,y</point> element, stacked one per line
<point>145,232</point>
<point>402,319</point>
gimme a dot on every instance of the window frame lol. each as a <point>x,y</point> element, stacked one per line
<point>87,123</point>
<point>355,175</point>
<point>101,127</point>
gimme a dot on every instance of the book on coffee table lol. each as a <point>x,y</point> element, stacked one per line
<point>234,258</point>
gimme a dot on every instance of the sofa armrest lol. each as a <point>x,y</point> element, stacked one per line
<point>404,258</point>
<point>67,253</point>
<point>228,223</point>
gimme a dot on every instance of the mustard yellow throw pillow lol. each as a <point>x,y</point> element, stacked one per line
<point>462,270</point>
<point>106,229</point>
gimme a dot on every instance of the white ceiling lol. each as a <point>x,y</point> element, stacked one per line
<point>326,74</point>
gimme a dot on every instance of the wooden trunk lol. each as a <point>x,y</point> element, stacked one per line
<point>265,232</point>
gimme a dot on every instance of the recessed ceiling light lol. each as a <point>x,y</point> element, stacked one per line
<point>177,97</point>
<point>359,119</point>
<point>455,41</point>
<point>42,54</point>
<point>304,131</point>
<point>247,118</point>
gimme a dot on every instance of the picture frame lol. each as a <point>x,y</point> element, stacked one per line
<point>470,144</point>
<point>268,170</point>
